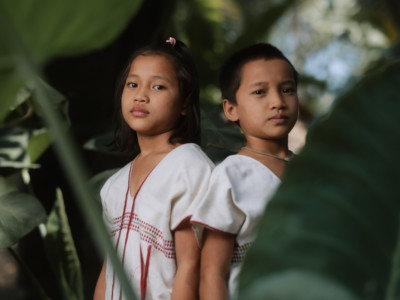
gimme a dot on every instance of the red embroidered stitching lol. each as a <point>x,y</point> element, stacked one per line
<point>239,252</point>
<point>148,233</point>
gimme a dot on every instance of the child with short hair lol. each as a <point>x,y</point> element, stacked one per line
<point>147,204</point>
<point>259,90</point>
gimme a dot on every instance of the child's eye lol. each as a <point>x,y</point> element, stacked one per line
<point>259,92</point>
<point>131,84</point>
<point>289,91</point>
<point>159,87</point>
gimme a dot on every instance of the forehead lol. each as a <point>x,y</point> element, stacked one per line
<point>263,69</point>
<point>152,64</point>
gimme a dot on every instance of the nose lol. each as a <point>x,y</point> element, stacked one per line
<point>277,100</point>
<point>141,96</point>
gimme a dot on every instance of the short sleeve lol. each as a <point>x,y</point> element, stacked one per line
<point>104,195</point>
<point>218,210</point>
<point>191,177</point>
<point>113,190</point>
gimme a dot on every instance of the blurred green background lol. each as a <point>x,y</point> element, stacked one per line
<point>333,223</point>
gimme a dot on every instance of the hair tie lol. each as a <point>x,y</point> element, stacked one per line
<point>171,41</point>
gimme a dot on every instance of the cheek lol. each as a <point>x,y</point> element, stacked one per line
<point>125,107</point>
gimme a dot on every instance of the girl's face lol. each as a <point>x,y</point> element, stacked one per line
<point>150,101</point>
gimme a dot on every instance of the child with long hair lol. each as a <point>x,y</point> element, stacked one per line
<point>147,204</point>
<point>259,91</point>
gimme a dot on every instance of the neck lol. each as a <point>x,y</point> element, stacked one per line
<point>276,147</point>
<point>155,144</point>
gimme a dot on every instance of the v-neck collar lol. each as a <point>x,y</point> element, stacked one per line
<point>151,171</point>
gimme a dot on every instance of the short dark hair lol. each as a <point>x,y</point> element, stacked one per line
<point>188,128</point>
<point>230,75</point>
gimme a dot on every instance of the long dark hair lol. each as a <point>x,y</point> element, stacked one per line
<point>188,128</point>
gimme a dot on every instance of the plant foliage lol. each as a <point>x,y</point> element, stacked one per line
<point>337,211</point>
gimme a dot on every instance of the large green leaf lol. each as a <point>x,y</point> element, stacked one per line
<point>295,284</point>
<point>10,84</point>
<point>337,211</point>
<point>61,251</point>
<point>19,214</point>
<point>53,27</point>
<point>45,29</point>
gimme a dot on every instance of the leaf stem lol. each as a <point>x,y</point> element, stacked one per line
<point>66,149</point>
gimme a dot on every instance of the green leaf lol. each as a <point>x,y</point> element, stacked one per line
<point>7,185</point>
<point>14,142</point>
<point>10,84</point>
<point>61,251</point>
<point>38,143</point>
<point>19,214</point>
<point>58,101</point>
<point>298,285</point>
<point>337,210</point>
<point>20,147</point>
<point>47,28</point>
<point>53,27</point>
<point>100,143</point>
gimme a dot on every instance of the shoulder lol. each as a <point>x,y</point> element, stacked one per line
<point>236,167</point>
<point>191,154</point>
<point>120,173</point>
<point>232,163</point>
<point>117,178</point>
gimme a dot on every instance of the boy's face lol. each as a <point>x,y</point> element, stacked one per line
<point>267,103</point>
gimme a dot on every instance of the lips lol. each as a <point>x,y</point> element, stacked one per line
<point>278,119</point>
<point>139,111</point>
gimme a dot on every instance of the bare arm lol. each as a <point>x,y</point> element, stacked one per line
<point>100,290</point>
<point>216,257</point>
<point>186,282</point>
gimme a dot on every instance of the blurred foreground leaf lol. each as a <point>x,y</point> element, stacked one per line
<point>53,28</point>
<point>299,285</point>
<point>61,251</point>
<point>337,211</point>
<point>46,29</point>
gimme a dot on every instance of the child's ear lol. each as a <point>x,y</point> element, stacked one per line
<point>184,111</point>
<point>230,110</point>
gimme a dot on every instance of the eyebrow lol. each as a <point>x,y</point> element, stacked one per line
<point>154,76</point>
<point>267,83</point>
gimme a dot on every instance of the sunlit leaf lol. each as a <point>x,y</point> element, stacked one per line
<point>337,211</point>
<point>19,214</point>
<point>38,143</point>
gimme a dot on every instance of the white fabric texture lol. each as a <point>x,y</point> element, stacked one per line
<point>239,190</point>
<point>164,201</point>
